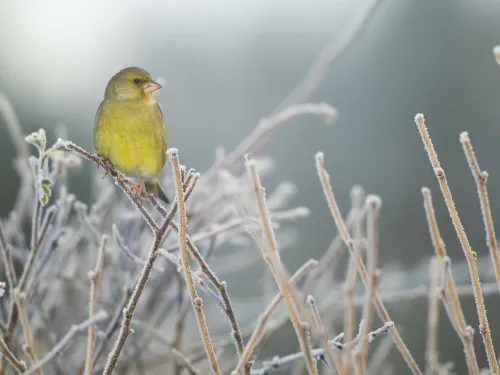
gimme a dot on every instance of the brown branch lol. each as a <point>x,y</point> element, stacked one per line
<point>372,207</point>
<point>195,300</point>
<point>113,324</point>
<point>470,256</point>
<point>272,256</point>
<point>382,311</point>
<point>119,179</point>
<point>480,177</point>
<point>36,239</point>
<point>184,361</point>
<point>332,357</point>
<point>66,340</point>
<point>431,353</point>
<point>266,315</point>
<point>357,197</point>
<point>449,290</point>
<point>136,294</point>
<point>94,282</point>
<point>219,285</point>
<point>18,365</point>
<point>28,334</point>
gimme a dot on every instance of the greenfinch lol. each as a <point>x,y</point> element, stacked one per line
<point>129,130</point>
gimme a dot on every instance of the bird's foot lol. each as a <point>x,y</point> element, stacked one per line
<point>139,188</point>
<point>105,163</point>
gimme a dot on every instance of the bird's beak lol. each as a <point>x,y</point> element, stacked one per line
<point>152,86</point>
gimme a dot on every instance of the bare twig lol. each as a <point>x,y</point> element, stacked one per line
<point>19,300</point>
<point>470,256</point>
<point>178,355</point>
<point>7,261</point>
<point>136,294</point>
<point>431,355</point>
<point>480,177</point>
<point>265,127</point>
<point>357,197</point>
<point>379,357</point>
<point>14,127</point>
<point>332,357</point>
<point>94,280</point>
<point>18,365</point>
<point>195,300</point>
<point>220,285</point>
<point>278,363</point>
<point>264,317</point>
<point>449,291</point>
<point>372,207</point>
<point>100,316</point>
<point>464,332</point>
<point>371,336</point>
<point>222,288</point>
<point>119,179</point>
<point>384,315</point>
<point>28,334</point>
<point>328,56</point>
<point>271,254</point>
<point>158,232</point>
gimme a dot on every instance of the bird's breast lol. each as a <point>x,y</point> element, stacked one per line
<point>132,136</point>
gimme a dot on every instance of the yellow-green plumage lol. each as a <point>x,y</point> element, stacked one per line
<point>129,129</point>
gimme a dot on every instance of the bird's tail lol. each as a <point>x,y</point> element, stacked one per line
<point>153,186</point>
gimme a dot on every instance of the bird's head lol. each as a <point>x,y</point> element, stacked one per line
<point>131,83</point>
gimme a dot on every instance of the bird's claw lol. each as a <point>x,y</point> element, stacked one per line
<point>139,188</point>
<point>103,162</point>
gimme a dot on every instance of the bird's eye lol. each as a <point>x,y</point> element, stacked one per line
<point>137,81</point>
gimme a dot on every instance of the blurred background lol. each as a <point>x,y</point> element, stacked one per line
<point>228,63</point>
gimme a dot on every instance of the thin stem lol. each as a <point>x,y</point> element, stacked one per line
<point>449,290</point>
<point>382,311</point>
<point>59,347</point>
<point>470,256</point>
<point>113,324</point>
<point>431,355</point>
<point>267,126</point>
<point>222,288</point>
<point>357,197</point>
<point>196,301</point>
<point>220,285</point>
<point>266,315</point>
<point>271,254</point>
<point>329,55</point>
<point>23,281</point>
<point>119,179</point>
<point>28,334</point>
<point>184,361</point>
<point>18,365</point>
<point>8,262</point>
<point>372,208</point>
<point>480,177</point>
<point>277,363</point>
<point>332,357</point>
<point>94,282</point>
<point>136,294</point>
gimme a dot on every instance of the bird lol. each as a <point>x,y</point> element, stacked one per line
<point>129,131</point>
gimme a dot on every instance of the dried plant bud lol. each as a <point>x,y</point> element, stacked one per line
<point>38,139</point>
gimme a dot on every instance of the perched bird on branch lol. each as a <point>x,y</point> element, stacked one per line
<point>129,130</point>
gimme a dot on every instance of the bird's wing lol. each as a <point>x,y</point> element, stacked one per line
<point>159,108</point>
<point>163,135</point>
